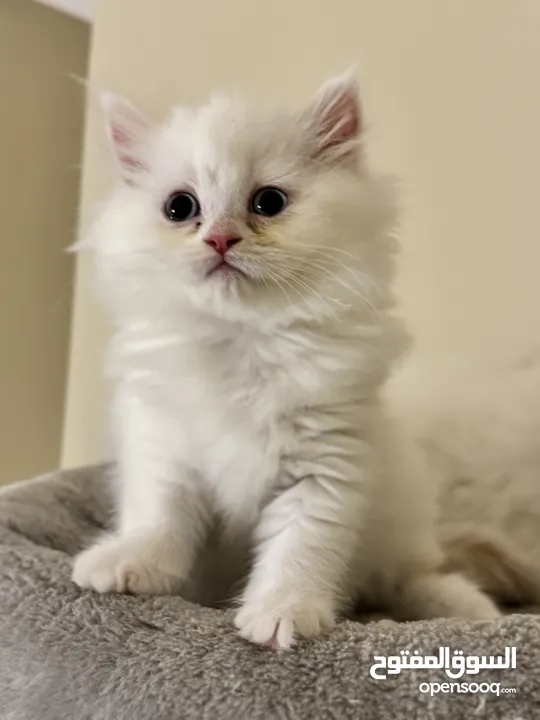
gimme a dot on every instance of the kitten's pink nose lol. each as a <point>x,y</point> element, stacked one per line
<point>222,242</point>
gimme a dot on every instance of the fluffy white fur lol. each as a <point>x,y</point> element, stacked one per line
<point>479,429</point>
<point>255,456</point>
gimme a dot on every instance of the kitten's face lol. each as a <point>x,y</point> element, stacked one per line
<point>221,205</point>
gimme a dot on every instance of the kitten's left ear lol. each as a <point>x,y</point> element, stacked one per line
<point>335,121</point>
<point>128,132</point>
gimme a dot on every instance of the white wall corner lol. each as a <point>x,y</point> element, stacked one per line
<point>82,9</point>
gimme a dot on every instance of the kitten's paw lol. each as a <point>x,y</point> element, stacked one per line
<point>476,605</point>
<point>444,595</point>
<point>277,622</point>
<point>124,566</point>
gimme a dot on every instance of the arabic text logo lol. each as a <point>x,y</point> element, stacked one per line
<point>455,665</point>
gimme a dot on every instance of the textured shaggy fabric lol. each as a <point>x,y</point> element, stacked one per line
<point>74,655</point>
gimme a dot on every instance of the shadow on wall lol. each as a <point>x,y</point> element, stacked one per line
<point>42,123</point>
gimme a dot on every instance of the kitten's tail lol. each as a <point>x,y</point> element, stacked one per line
<point>495,566</point>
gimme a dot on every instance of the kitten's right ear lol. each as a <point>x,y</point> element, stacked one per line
<point>128,132</point>
<point>334,121</point>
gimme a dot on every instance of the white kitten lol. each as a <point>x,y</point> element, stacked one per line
<point>480,430</point>
<point>247,259</point>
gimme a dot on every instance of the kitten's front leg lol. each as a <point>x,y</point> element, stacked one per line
<point>163,517</point>
<point>306,538</point>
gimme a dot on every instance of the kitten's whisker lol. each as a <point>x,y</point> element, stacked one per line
<point>277,281</point>
<point>279,276</point>
<point>328,253</point>
<point>328,257</point>
<point>311,290</point>
<point>350,289</point>
<point>326,272</point>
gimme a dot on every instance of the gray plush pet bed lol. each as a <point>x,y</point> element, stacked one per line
<point>67,654</point>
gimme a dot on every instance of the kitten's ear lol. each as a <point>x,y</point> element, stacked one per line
<point>128,132</point>
<point>335,121</point>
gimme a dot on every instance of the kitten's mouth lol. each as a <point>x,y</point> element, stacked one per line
<point>224,268</point>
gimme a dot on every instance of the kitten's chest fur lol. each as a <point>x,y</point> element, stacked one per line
<point>233,405</point>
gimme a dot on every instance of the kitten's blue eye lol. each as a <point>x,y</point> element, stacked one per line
<point>269,201</point>
<point>181,206</point>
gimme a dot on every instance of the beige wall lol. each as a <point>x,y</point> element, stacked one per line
<point>41,119</point>
<point>451,92</point>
